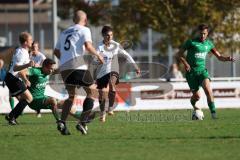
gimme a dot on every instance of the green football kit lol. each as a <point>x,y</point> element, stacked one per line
<point>38,84</point>
<point>196,58</point>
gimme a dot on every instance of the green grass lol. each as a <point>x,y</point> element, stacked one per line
<point>136,135</point>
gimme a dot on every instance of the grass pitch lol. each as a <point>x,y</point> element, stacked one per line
<point>136,135</point>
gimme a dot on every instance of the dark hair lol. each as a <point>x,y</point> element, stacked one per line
<point>106,29</point>
<point>202,27</point>
<point>47,62</point>
<point>23,37</point>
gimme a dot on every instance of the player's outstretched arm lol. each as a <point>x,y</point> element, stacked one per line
<point>220,57</point>
<point>130,59</point>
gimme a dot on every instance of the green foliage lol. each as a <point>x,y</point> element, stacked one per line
<point>175,19</point>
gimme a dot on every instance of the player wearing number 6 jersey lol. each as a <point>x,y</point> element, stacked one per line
<point>108,73</point>
<point>70,49</point>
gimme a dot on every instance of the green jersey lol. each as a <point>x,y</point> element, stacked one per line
<point>38,82</point>
<point>197,52</point>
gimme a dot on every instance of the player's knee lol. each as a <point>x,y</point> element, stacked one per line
<point>53,102</point>
<point>105,95</point>
<point>112,85</point>
<point>29,98</point>
<point>54,107</point>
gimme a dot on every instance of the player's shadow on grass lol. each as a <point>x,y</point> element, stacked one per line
<point>20,135</point>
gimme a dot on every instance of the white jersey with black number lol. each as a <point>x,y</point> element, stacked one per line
<point>38,59</point>
<point>20,57</point>
<point>110,58</point>
<point>71,46</point>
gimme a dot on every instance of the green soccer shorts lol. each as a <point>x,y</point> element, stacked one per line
<point>195,79</point>
<point>38,103</point>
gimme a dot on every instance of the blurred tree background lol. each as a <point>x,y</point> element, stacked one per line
<point>176,20</point>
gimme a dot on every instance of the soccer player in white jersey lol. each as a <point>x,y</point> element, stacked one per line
<point>70,49</point>
<point>36,55</point>
<point>38,58</point>
<point>17,84</point>
<point>108,73</point>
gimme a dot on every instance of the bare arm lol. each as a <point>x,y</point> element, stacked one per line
<point>220,57</point>
<point>24,66</point>
<point>180,56</point>
<point>23,75</point>
<point>93,51</point>
<point>57,53</point>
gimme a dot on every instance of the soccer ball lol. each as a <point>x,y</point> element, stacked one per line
<point>197,115</point>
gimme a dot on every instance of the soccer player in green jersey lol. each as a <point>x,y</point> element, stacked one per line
<point>39,77</point>
<point>194,64</point>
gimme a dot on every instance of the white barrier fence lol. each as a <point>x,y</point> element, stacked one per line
<point>150,95</point>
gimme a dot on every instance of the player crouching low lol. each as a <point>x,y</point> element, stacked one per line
<point>39,77</point>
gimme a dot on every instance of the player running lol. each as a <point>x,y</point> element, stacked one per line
<point>16,83</point>
<point>39,77</point>
<point>196,72</point>
<point>108,73</point>
<point>70,49</point>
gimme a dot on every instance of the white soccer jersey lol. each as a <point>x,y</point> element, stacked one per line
<point>38,59</point>
<point>20,57</point>
<point>109,54</point>
<point>71,46</point>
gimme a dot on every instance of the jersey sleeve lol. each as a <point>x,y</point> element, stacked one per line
<point>87,35</point>
<point>43,57</point>
<point>126,54</point>
<point>186,45</point>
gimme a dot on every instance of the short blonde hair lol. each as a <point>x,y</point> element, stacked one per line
<point>23,37</point>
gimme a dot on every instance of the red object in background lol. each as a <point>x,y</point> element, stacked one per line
<point>123,93</point>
